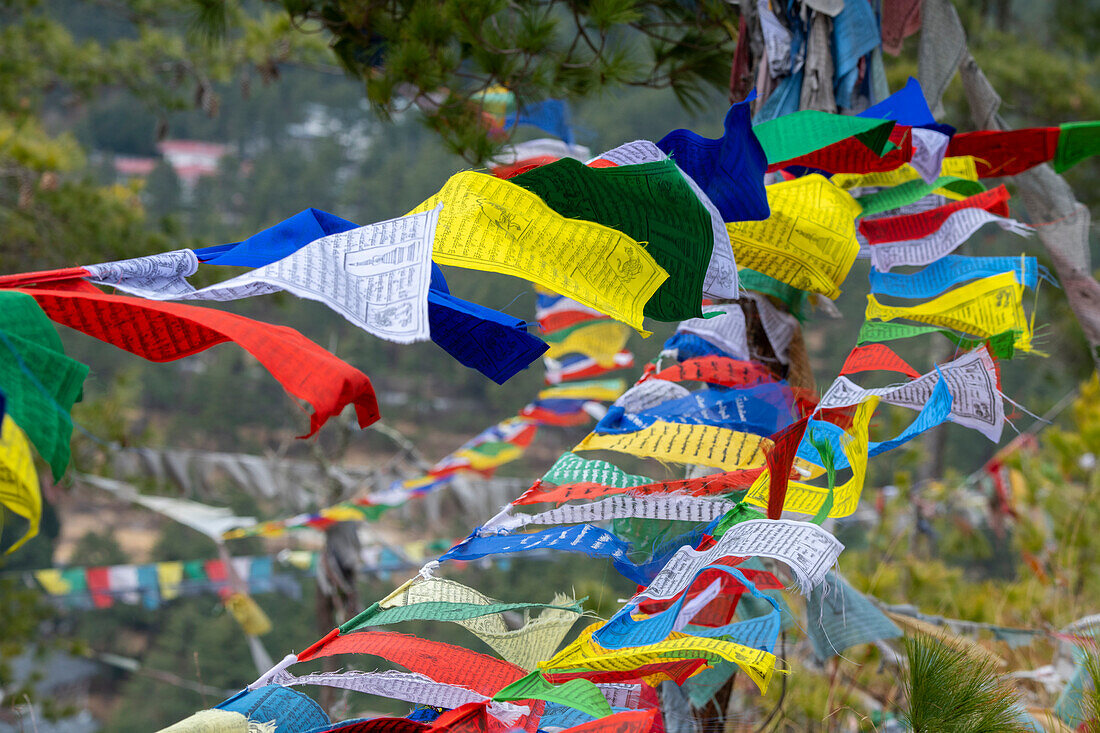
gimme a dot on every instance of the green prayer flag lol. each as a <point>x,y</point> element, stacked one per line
<point>792,297</point>
<point>440,611</point>
<point>828,460</point>
<point>1076,141</point>
<point>653,204</point>
<point>1000,345</point>
<point>579,694</point>
<point>41,384</point>
<point>740,513</point>
<point>910,191</point>
<point>803,132</point>
<point>571,468</point>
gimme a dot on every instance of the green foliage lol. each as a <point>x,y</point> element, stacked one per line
<point>947,690</point>
<point>446,55</point>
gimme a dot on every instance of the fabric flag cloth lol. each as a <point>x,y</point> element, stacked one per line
<point>549,115</point>
<point>852,155</point>
<point>720,280</point>
<point>649,203</point>
<point>972,380</point>
<point>730,170</point>
<point>984,308</point>
<point>792,136</point>
<point>762,410</point>
<point>910,192</point>
<point>169,331</point>
<point>953,270</point>
<point>447,600</point>
<point>855,34</point>
<point>724,326</point>
<point>585,538</point>
<point>41,383</point>
<point>496,226</point>
<point>838,617</point>
<point>585,653</point>
<point>809,242</point>
<point>579,694</point>
<point>961,168</point>
<point>876,356</point>
<point>624,630</point>
<point>19,491</point>
<point>599,339</point>
<point>816,501</point>
<point>717,370</point>
<point>926,223</point>
<point>520,157</point>
<point>707,445</point>
<point>555,312</point>
<point>491,342</point>
<point>956,229</point>
<point>441,662</point>
<point>375,276</point>
<point>999,345</point>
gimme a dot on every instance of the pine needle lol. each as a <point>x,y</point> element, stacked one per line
<point>947,690</point>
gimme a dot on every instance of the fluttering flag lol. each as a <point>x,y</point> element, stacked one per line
<point>649,203</point>
<point>169,331</point>
<point>19,491</point>
<point>438,661</point>
<point>40,382</point>
<point>586,653</point>
<point>795,135</point>
<point>953,270</point>
<point>496,226</point>
<point>730,170</point>
<point>376,276</point>
<point>515,159</point>
<point>838,617</point>
<point>808,242</point>
<point>984,308</point>
<point>972,380</point>
<point>876,356</point>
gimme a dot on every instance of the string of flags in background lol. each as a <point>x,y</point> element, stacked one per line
<point>792,197</point>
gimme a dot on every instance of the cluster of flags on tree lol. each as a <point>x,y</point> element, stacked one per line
<point>728,399</point>
<point>728,237</point>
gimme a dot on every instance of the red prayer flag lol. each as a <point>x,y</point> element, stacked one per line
<point>99,584</point>
<point>925,223</point>
<point>445,663</point>
<point>1006,152</point>
<point>852,156</point>
<point>870,357</point>
<point>780,459</point>
<point>168,331</point>
<point>720,370</point>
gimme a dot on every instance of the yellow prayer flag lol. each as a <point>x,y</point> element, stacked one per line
<point>707,445</point>
<point>248,614</point>
<point>808,242</point>
<point>212,721</point>
<point>53,582</point>
<point>169,575</point>
<point>343,513</point>
<point>603,390</point>
<point>807,499</point>
<point>19,490</point>
<point>480,460</point>
<point>982,308</point>
<point>600,340</point>
<point>960,166</point>
<point>492,225</point>
<point>587,654</point>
